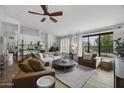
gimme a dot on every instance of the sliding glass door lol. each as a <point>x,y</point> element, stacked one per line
<point>94,44</point>
<point>106,44</point>
<point>101,44</point>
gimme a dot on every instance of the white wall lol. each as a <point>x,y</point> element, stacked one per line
<point>5,18</point>
<point>51,40</point>
<point>28,34</point>
<point>118,33</point>
<point>28,38</point>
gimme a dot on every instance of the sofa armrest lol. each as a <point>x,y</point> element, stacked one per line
<point>36,73</point>
<point>80,58</point>
<point>94,60</point>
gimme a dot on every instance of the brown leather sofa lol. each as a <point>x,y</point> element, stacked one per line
<point>88,62</point>
<point>28,80</point>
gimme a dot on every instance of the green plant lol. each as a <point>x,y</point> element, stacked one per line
<point>119,49</point>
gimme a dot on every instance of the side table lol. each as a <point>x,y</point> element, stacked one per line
<point>106,65</point>
<point>46,82</point>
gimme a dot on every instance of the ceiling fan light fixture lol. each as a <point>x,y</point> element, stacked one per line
<point>43,19</point>
<point>46,13</point>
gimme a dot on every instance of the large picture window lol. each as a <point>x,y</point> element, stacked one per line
<point>102,44</point>
<point>106,44</point>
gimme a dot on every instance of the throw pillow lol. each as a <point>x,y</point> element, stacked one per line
<point>87,56</point>
<point>41,55</point>
<point>45,54</point>
<point>93,55</point>
<point>40,60</point>
<point>24,66</point>
<point>36,65</point>
<point>57,53</point>
<point>35,55</point>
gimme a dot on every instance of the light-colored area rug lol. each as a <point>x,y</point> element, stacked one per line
<point>76,78</point>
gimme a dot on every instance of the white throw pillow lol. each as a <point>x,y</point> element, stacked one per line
<point>87,56</point>
<point>41,55</point>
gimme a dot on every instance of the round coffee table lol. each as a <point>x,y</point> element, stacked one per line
<point>65,66</point>
<point>46,82</point>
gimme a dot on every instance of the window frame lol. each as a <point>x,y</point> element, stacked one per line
<point>99,36</point>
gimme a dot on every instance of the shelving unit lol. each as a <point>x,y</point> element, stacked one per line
<point>24,50</point>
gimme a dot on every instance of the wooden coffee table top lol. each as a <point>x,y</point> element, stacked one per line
<point>69,63</point>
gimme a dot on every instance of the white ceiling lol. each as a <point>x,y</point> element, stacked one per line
<point>76,18</point>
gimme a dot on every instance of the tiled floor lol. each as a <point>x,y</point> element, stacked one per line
<point>101,79</point>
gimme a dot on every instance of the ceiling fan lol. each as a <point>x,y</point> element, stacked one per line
<point>46,13</point>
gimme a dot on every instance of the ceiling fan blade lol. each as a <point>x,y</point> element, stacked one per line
<point>59,13</point>
<point>43,19</point>
<point>53,20</point>
<point>35,13</point>
<point>44,7</point>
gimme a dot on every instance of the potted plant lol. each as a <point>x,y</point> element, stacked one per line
<point>119,48</point>
<point>119,62</point>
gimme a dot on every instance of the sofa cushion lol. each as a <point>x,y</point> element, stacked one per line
<point>24,66</point>
<point>51,54</point>
<point>36,65</point>
<point>57,53</point>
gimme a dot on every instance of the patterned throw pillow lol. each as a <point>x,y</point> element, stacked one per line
<point>93,55</point>
<point>24,66</point>
<point>36,65</point>
<point>87,56</point>
<point>57,53</point>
